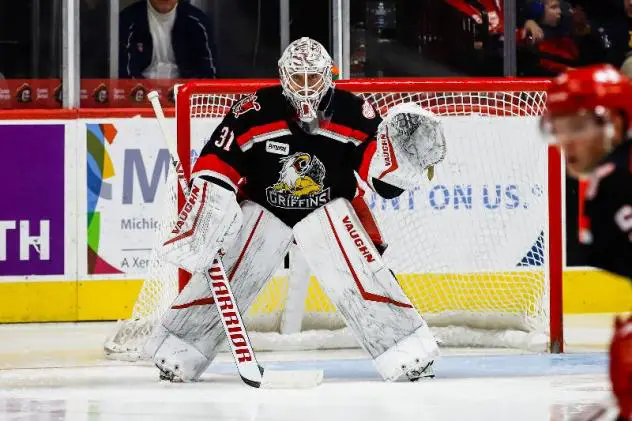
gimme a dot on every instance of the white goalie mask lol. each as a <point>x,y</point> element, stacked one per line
<point>305,69</point>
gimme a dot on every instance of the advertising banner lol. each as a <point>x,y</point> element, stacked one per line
<point>30,94</point>
<point>127,168</point>
<point>32,191</point>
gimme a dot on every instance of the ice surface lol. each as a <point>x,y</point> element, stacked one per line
<point>57,372</point>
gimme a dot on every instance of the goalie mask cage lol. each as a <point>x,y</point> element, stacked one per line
<point>478,249</point>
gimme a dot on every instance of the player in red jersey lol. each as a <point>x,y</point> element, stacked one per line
<point>589,115</point>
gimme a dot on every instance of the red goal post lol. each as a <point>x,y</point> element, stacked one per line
<point>473,103</point>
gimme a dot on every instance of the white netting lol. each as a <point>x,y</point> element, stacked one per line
<point>468,247</point>
<point>159,289</point>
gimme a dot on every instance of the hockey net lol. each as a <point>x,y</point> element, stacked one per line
<point>477,249</point>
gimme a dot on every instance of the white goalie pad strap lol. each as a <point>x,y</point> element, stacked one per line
<point>410,141</point>
<point>210,216</point>
<point>250,261</point>
<point>354,276</point>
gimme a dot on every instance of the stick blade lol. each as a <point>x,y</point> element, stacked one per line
<point>297,379</point>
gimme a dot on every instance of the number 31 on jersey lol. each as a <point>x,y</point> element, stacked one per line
<point>226,138</point>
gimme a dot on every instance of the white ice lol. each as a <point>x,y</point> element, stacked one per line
<point>57,372</point>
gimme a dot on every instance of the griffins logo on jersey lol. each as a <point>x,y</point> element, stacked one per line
<point>300,184</point>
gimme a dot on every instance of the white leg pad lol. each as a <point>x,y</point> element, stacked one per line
<point>193,320</point>
<point>412,353</point>
<point>363,289</point>
<point>209,219</point>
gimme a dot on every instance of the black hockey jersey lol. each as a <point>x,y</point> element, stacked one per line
<point>608,208</point>
<point>290,169</point>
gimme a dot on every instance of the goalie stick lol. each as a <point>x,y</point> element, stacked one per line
<point>249,369</point>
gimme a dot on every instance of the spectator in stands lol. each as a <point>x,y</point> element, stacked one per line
<point>608,30</point>
<point>619,34</point>
<point>165,39</point>
<point>546,42</point>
